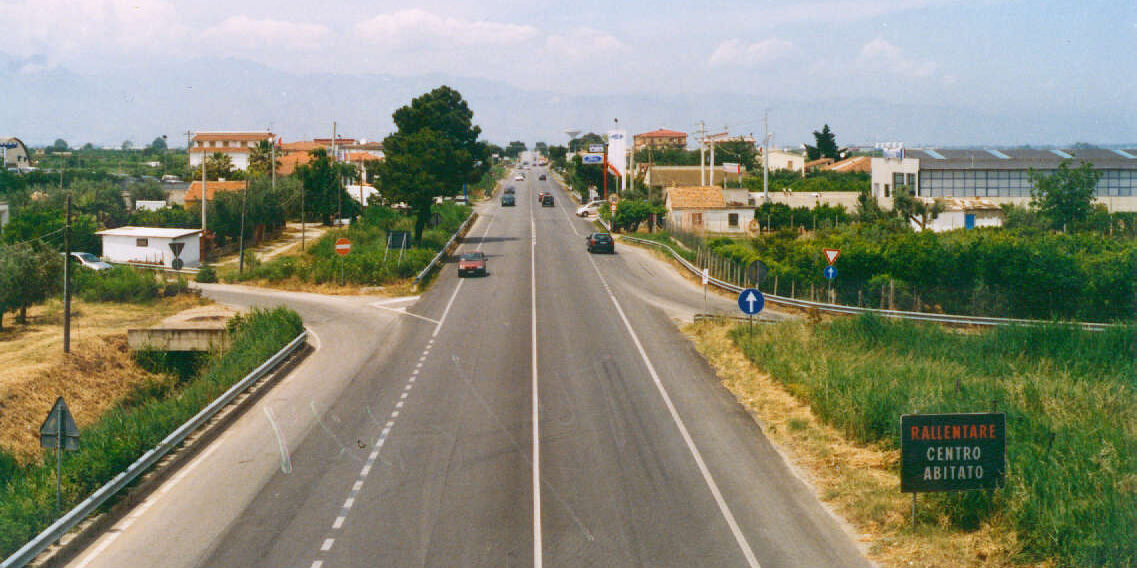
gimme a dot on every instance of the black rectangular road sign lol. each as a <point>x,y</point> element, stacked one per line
<point>952,452</point>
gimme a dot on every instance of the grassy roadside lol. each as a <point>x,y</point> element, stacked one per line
<point>831,394</point>
<point>133,425</point>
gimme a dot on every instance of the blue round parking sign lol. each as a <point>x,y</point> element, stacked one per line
<point>751,301</point>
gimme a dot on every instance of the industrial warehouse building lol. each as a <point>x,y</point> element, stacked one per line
<point>1001,176</point>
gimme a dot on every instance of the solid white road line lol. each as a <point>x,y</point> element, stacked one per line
<point>537,545</point>
<point>740,538</point>
<point>403,311</point>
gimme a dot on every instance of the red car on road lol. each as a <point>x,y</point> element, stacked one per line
<point>472,263</point>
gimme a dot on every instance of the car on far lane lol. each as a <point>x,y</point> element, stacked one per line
<point>519,177</point>
<point>472,263</point>
<point>601,242</point>
<point>508,200</point>
<point>547,200</point>
<point>542,177</point>
<point>509,190</point>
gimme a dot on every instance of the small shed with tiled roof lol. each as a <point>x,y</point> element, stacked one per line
<point>193,195</point>
<point>706,209</point>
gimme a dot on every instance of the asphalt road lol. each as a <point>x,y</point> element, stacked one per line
<point>549,414</point>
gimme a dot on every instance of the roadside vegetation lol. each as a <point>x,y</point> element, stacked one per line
<point>1071,493</point>
<point>370,262</point>
<point>133,425</point>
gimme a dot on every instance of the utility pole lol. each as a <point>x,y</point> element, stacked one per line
<point>766,156</point>
<point>67,279</point>
<point>273,142</point>
<point>702,153</point>
<point>204,196</point>
<point>712,164</point>
<point>244,202</point>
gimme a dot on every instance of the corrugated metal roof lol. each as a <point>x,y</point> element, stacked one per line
<point>1018,159</point>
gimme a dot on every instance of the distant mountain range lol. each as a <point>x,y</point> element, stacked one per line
<point>229,94</point>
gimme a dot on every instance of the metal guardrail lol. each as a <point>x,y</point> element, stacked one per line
<point>843,309</point>
<point>158,267</point>
<point>445,249</point>
<point>81,511</point>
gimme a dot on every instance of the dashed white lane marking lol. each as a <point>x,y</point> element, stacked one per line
<point>356,487</point>
<point>724,509</point>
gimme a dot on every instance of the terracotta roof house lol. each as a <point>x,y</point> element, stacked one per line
<point>706,209</point>
<point>193,195</point>
<point>236,144</point>
<point>661,138</point>
<point>854,164</point>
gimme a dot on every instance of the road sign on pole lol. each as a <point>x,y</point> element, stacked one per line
<point>831,255</point>
<point>751,301</point>
<point>343,246</point>
<point>830,272</point>
<point>59,432</point>
<point>592,159</point>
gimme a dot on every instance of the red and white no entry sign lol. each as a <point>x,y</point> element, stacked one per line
<point>343,246</point>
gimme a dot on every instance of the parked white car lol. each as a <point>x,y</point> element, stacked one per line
<point>89,260</point>
<point>519,177</point>
<point>591,208</point>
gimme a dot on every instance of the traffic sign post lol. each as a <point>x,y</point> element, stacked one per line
<point>830,274</point>
<point>343,246</point>
<point>59,432</point>
<point>751,301</point>
<point>706,280</point>
<point>831,255</point>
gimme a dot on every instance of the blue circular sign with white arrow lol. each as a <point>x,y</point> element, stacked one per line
<point>751,301</point>
<point>830,272</point>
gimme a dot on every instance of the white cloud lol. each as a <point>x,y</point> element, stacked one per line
<point>736,53</point>
<point>582,44</point>
<point>246,33</point>
<point>66,30</point>
<point>879,55</point>
<point>417,28</point>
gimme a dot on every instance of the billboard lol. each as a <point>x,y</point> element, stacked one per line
<point>952,452</point>
<point>617,152</point>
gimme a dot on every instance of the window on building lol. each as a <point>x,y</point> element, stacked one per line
<point>697,219</point>
<point>142,242</point>
<point>732,219</point>
<point>912,181</point>
<point>225,144</point>
<point>887,192</point>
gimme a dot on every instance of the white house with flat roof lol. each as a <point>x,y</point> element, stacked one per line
<point>3,214</point>
<point>152,245</point>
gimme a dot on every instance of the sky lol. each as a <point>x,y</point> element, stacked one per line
<point>1066,61</point>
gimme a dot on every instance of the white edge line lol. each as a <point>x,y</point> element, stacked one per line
<point>396,300</point>
<point>446,311</point>
<point>740,538</point>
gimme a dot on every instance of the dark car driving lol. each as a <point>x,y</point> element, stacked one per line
<point>601,242</point>
<point>547,200</point>
<point>542,177</point>
<point>472,263</point>
<point>508,200</point>
<point>509,190</point>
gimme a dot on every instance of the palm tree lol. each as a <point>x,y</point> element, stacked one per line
<point>261,158</point>
<point>218,165</point>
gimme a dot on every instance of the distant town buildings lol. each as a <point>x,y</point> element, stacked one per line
<point>237,145</point>
<point>661,139</point>
<point>1001,176</point>
<point>15,153</point>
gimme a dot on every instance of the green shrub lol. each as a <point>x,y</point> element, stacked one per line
<point>206,274</point>
<point>1070,403</point>
<point>134,426</point>
<point>118,284</point>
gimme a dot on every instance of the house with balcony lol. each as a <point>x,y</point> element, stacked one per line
<point>661,139</point>
<point>237,145</point>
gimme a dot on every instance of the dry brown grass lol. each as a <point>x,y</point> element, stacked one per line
<point>860,483</point>
<point>100,370</point>
<point>399,288</point>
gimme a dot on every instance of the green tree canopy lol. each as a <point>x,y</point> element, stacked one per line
<point>515,148</point>
<point>159,144</point>
<point>218,165</point>
<point>915,210</point>
<point>261,158</point>
<point>324,193</point>
<point>1065,197</point>
<point>60,145</point>
<point>582,142</point>
<point>826,145</point>
<point>433,153</point>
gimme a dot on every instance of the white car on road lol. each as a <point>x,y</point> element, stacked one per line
<point>591,208</point>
